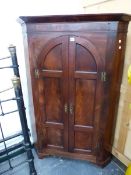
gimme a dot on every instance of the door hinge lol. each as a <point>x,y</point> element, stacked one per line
<point>66,108</point>
<point>103,76</point>
<point>36,73</point>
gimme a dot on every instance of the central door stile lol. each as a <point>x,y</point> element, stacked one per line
<point>65,88</point>
<point>71,91</point>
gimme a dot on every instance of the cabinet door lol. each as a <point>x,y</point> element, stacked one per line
<point>52,121</point>
<point>85,95</point>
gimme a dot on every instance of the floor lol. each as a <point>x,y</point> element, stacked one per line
<point>61,166</point>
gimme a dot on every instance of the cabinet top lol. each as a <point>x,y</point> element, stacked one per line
<point>75,18</point>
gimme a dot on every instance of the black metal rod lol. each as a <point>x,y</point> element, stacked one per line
<point>3,172</point>
<point>5,146</point>
<point>9,112</point>
<point>8,67</point>
<point>11,137</point>
<point>7,89</point>
<point>1,109</point>
<point>21,163</point>
<point>5,58</point>
<point>12,148</point>
<point>18,98</point>
<point>21,108</point>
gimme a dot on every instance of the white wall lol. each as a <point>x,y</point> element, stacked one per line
<point>10,33</point>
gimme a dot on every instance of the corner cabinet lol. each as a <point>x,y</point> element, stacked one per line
<point>75,64</point>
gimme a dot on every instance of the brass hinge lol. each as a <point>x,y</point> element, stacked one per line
<point>103,76</point>
<point>66,108</point>
<point>36,73</point>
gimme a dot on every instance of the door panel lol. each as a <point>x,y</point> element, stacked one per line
<point>83,141</point>
<point>84,60</point>
<point>53,100</point>
<point>53,93</point>
<point>84,101</point>
<point>53,59</point>
<point>55,138</point>
<point>85,66</point>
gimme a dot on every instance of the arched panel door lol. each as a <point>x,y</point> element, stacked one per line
<point>53,93</point>
<point>85,95</point>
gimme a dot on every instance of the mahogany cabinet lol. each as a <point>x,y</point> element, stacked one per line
<point>75,64</point>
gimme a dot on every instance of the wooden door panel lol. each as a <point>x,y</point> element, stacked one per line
<point>84,102</point>
<point>53,100</point>
<point>83,142</point>
<point>84,60</point>
<point>53,92</point>
<point>55,137</point>
<point>53,59</point>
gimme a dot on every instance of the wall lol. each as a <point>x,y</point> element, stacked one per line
<point>10,33</point>
<point>122,142</point>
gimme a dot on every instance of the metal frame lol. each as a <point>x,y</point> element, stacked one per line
<point>21,110</point>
